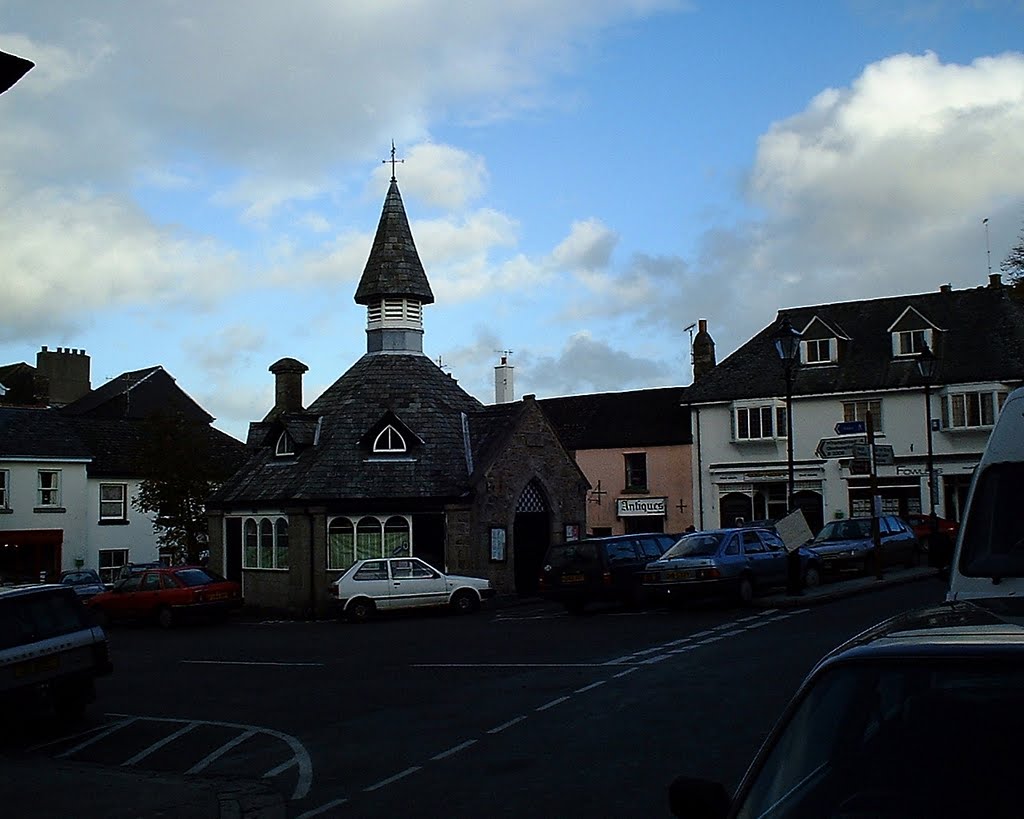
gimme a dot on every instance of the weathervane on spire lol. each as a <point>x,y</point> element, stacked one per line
<point>393,161</point>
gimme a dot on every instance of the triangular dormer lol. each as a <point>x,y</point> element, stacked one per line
<point>821,342</point>
<point>288,434</point>
<point>389,437</point>
<point>911,332</point>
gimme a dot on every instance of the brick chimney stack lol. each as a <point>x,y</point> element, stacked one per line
<point>67,371</point>
<point>287,385</point>
<point>703,351</point>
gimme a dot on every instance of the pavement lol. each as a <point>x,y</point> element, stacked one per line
<point>41,786</point>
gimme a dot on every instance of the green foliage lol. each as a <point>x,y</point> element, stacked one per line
<point>181,471</point>
<point>1013,267</point>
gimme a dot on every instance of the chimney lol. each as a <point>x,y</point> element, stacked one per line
<point>945,288</point>
<point>995,280</point>
<point>67,372</point>
<point>287,385</point>
<point>703,351</point>
<point>504,391</point>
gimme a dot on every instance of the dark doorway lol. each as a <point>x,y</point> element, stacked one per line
<point>233,549</point>
<point>531,536</point>
<point>733,507</point>
<point>813,506</point>
<point>428,539</point>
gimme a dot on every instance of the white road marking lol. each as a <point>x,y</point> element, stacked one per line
<point>97,737</point>
<point>321,809</point>
<point>506,665</point>
<point>156,746</point>
<point>462,746</point>
<point>551,704</point>
<point>241,662</point>
<point>590,687</point>
<point>632,670</point>
<point>280,769</point>
<point>391,779</point>
<point>505,725</point>
<point>210,758</point>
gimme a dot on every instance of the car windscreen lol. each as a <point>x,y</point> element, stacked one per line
<point>843,530</point>
<point>993,539</point>
<point>28,618</point>
<point>196,577</point>
<point>699,544</point>
<point>844,751</point>
<point>578,553</point>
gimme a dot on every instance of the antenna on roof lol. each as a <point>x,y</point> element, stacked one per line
<point>988,250</point>
<point>504,355</point>
<point>689,329</point>
<point>442,366</point>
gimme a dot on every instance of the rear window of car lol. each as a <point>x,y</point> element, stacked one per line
<point>993,540</point>
<point>577,553</point>
<point>622,551</point>
<point>26,619</point>
<point>196,577</point>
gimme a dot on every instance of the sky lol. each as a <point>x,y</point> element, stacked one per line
<point>197,185</point>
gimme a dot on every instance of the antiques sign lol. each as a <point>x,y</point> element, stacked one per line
<point>632,507</point>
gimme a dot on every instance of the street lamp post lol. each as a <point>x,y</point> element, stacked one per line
<point>787,345</point>
<point>927,364</point>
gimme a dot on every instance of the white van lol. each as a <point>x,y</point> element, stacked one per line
<point>989,557</point>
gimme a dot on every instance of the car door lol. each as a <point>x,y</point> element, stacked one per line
<point>757,558</point>
<point>415,584</point>
<point>776,556</point>
<point>146,600</point>
<point>371,580</point>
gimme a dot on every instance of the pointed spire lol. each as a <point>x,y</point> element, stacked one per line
<point>393,269</point>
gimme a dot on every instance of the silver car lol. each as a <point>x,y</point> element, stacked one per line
<point>719,562</point>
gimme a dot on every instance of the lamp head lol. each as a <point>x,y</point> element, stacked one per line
<point>927,363</point>
<point>787,342</point>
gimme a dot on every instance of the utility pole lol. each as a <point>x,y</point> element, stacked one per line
<point>876,535</point>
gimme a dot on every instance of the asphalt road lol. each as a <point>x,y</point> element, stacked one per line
<point>519,711</point>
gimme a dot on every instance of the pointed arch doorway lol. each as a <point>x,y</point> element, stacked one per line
<point>531,535</point>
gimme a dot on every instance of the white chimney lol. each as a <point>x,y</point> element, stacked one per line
<point>504,392</point>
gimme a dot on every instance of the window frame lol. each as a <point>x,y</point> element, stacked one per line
<point>5,490</point>
<point>635,469</point>
<point>860,408</point>
<point>815,344</point>
<point>261,546</point>
<point>390,533</point>
<point>113,570</point>
<point>904,342</point>
<point>773,411</point>
<point>390,447</point>
<point>285,445</point>
<point>122,514</point>
<point>55,502</point>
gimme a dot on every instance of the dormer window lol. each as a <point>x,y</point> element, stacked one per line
<point>911,342</point>
<point>389,440</point>
<point>285,445</point>
<point>911,332</point>
<point>819,351</point>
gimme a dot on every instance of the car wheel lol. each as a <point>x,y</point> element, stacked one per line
<point>164,617</point>
<point>746,589</point>
<point>359,611</point>
<point>812,577</point>
<point>465,602</point>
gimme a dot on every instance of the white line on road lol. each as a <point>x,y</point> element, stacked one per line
<point>505,725</point>
<point>117,726</point>
<point>241,662</point>
<point>632,670</point>
<point>551,704</point>
<point>506,665</point>
<point>321,809</point>
<point>156,746</point>
<point>209,759</point>
<point>280,769</point>
<point>394,778</point>
<point>590,687</point>
<point>462,746</point>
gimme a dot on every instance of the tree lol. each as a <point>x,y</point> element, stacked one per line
<point>1013,267</point>
<point>182,467</point>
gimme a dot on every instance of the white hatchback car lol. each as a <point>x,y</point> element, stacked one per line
<point>391,583</point>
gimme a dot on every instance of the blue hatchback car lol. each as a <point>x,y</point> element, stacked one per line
<point>738,563</point>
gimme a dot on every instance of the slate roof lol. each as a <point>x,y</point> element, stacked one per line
<point>39,433</point>
<point>982,339</point>
<point>635,418</point>
<point>393,267</point>
<point>341,466</point>
<point>25,386</point>
<point>138,394</point>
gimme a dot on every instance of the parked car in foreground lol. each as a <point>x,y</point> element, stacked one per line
<point>51,652</point>
<point>845,547</point>
<point>393,583</point>
<point>600,569</point>
<point>85,582</point>
<point>167,595</point>
<point>738,563</point>
<point>919,716</point>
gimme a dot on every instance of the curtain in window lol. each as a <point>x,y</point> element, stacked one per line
<point>397,541</point>
<point>340,544</point>
<point>281,544</point>
<point>266,544</point>
<point>252,559</point>
<point>368,539</point>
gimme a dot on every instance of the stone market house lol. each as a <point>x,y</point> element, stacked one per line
<point>393,458</point>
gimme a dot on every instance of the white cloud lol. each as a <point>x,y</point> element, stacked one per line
<point>588,247</point>
<point>440,175</point>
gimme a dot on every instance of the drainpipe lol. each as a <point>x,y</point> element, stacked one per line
<point>312,570</point>
<point>700,472</point>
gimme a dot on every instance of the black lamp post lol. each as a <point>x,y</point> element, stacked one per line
<point>787,344</point>
<point>12,69</point>
<point>927,364</point>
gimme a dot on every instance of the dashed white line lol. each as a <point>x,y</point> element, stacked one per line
<point>241,662</point>
<point>590,687</point>
<point>551,704</point>
<point>210,758</point>
<point>632,670</point>
<point>96,737</point>
<point>321,809</point>
<point>452,751</point>
<point>156,746</point>
<point>392,779</point>
<point>505,725</point>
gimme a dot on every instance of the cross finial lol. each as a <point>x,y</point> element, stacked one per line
<point>393,161</point>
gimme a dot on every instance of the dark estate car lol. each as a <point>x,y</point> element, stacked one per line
<point>85,582</point>
<point>50,650</point>
<point>845,547</point>
<point>600,569</point>
<point>167,594</point>
<point>920,716</point>
<point>738,562</point>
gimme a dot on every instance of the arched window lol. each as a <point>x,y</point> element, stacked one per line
<point>341,539</point>
<point>281,544</point>
<point>389,440</point>
<point>266,544</point>
<point>397,541</point>
<point>252,558</point>
<point>285,445</point>
<point>368,539</point>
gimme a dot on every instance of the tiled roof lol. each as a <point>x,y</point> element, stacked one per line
<point>981,339</point>
<point>138,394</point>
<point>651,417</point>
<point>38,433</point>
<point>393,267</point>
<point>341,466</point>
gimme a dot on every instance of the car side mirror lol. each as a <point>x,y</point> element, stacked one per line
<point>690,798</point>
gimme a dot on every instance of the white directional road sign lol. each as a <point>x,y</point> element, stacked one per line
<point>838,447</point>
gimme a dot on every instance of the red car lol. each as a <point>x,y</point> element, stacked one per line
<point>167,594</point>
<point>922,526</point>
